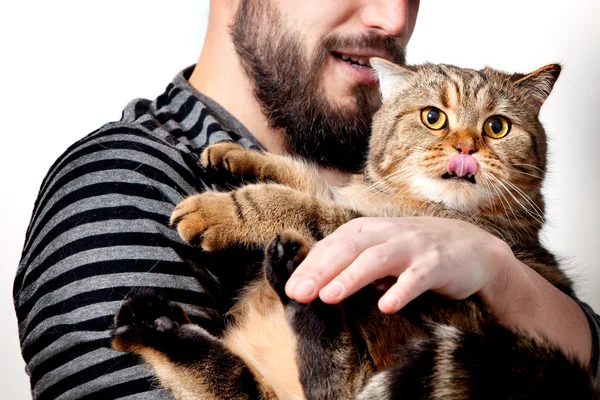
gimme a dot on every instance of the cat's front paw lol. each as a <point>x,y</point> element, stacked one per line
<point>285,252</point>
<point>207,220</point>
<point>146,320</point>
<point>231,159</point>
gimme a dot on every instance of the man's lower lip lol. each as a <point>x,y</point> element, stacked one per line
<point>364,75</point>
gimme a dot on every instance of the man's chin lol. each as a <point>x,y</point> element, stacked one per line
<point>347,101</point>
<point>344,95</point>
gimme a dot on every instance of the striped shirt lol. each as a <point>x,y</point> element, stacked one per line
<point>100,229</point>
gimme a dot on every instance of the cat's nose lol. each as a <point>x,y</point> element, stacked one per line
<point>465,148</point>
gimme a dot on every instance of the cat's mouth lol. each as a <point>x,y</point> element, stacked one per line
<point>461,166</point>
<point>469,177</point>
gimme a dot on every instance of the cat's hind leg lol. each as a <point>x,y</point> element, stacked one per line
<point>189,361</point>
<point>332,361</point>
<point>285,252</point>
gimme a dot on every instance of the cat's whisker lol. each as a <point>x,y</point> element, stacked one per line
<point>372,186</point>
<point>517,200</point>
<point>503,195</point>
<point>489,194</point>
<point>502,198</point>
<point>525,173</point>
<point>537,216</point>
<point>382,185</point>
<point>532,166</point>
<point>528,199</point>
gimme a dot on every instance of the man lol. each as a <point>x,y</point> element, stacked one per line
<point>284,76</point>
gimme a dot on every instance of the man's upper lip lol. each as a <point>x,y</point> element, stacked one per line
<point>365,53</point>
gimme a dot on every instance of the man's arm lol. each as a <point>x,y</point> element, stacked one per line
<point>523,299</point>
<point>450,257</point>
<point>98,230</point>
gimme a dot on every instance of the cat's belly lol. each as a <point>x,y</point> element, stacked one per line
<point>263,338</point>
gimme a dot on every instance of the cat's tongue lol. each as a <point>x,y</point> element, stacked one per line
<point>462,164</point>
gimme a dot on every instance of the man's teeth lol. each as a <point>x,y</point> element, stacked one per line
<point>364,61</point>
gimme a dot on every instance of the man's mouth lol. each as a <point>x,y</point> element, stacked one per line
<point>355,61</point>
<point>469,177</point>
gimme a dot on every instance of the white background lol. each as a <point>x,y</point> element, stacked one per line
<point>69,66</point>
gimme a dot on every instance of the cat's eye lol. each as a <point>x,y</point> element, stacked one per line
<point>496,127</point>
<point>433,118</point>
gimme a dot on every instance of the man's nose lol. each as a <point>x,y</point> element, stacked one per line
<point>390,16</point>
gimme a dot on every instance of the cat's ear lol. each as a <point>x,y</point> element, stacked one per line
<point>539,83</point>
<point>391,76</point>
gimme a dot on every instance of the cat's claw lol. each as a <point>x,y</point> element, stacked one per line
<point>206,220</point>
<point>230,160</point>
<point>144,319</point>
<point>285,252</point>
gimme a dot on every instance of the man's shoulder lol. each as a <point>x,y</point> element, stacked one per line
<point>185,118</point>
<point>121,148</point>
<point>173,128</point>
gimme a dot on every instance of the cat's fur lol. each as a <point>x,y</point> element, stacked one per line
<point>434,348</point>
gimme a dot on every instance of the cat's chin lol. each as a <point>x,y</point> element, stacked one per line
<point>457,194</point>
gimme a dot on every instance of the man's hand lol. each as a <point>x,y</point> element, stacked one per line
<point>450,257</point>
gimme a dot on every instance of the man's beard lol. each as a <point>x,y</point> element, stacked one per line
<point>287,85</point>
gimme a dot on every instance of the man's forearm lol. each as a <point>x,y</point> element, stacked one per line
<point>523,299</point>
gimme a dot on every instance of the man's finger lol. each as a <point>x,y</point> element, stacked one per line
<point>412,283</point>
<point>325,261</point>
<point>372,264</point>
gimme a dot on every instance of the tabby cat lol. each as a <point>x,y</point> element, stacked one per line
<point>446,142</point>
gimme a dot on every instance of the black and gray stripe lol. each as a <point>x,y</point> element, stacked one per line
<point>100,229</point>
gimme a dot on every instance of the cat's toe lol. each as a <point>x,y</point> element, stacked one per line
<point>206,220</point>
<point>285,252</point>
<point>145,319</point>
<point>227,160</point>
<point>215,156</point>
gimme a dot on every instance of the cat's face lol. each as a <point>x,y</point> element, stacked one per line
<point>470,140</point>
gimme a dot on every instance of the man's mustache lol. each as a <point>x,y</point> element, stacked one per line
<point>370,41</point>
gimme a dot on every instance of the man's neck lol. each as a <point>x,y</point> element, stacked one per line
<point>220,76</point>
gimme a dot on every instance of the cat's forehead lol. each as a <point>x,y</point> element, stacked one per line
<point>435,75</point>
<point>457,89</point>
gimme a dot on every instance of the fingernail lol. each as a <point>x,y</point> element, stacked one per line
<point>392,301</point>
<point>305,288</point>
<point>289,286</point>
<point>334,289</point>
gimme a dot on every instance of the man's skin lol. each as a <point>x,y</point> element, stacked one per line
<point>450,257</point>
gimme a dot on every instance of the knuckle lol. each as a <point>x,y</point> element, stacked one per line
<point>436,258</point>
<point>319,273</point>
<point>354,225</point>
<point>419,274</point>
<point>348,247</point>
<point>344,245</point>
<point>377,255</point>
<point>350,277</point>
<point>414,238</point>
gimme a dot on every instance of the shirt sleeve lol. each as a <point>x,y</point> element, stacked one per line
<point>594,321</point>
<point>100,229</point>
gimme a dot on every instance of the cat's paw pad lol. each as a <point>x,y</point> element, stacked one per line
<point>285,252</point>
<point>146,319</point>
<point>227,158</point>
<point>206,220</point>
